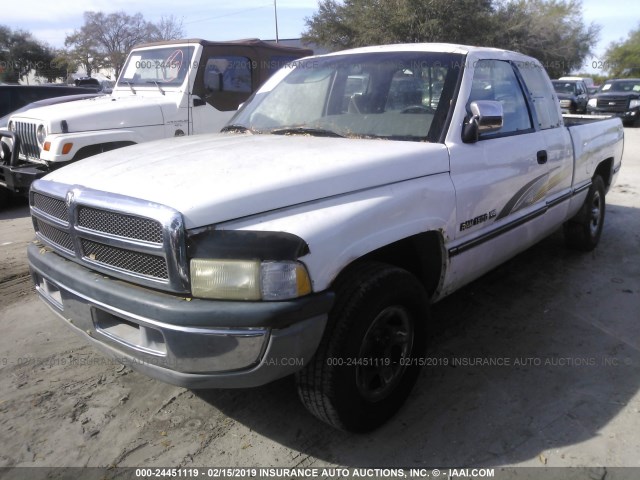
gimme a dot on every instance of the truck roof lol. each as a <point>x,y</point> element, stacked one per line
<point>250,42</point>
<point>439,48</point>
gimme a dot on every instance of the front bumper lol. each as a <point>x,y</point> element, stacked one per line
<point>630,115</point>
<point>18,179</point>
<point>17,175</point>
<point>190,343</point>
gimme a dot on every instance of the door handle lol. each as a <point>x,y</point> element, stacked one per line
<point>542,157</point>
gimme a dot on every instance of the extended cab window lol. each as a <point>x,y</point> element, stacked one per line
<point>544,99</point>
<point>496,80</point>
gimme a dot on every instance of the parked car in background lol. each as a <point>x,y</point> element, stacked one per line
<point>165,89</point>
<point>88,82</point>
<point>13,97</point>
<point>588,81</point>
<point>572,95</point>
<point>47,101</point>
<point>102,86</point>
<point>619,97</point>
<point>5,151</point>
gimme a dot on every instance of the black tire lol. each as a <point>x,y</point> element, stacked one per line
<point>367,361</point>
<point>583,231</point>
<point>5,197</point>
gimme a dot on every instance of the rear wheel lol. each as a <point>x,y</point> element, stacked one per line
<point>367,361</point>
<point>583,231</point>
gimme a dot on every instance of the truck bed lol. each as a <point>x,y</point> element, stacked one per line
<point>594,138</point>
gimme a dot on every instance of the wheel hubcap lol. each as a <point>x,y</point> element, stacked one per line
<point>385,349</point>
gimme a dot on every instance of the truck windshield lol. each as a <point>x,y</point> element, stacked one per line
<point>387,95</point>
<point>565,87</point>
<point>622,86</point>
<point>166,66</point>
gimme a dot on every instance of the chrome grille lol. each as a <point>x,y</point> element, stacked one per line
<point>613,104</point>
<point>143,243</point>
<point>141,263</point>
<point>53,206</point>
<point>28,143</point>
<point>56,236</point>
<point>126,226</point>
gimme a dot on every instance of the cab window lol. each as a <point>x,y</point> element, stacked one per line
<point>496,80</point>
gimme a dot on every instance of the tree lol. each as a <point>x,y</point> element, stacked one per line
<point>168,28</point>
<point>84,51</point>
<point>63,64</point>
<point>368,22</point>
<point>20,53</point>
<point>551,30</point>
<point>622,58</point>
<point>110,38</point>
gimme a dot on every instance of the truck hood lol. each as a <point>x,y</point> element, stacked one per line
<point>220,177</point>
<point>99,113</point>
<point>618,95</point>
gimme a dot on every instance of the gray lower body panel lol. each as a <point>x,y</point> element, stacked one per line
<point>130,325</point>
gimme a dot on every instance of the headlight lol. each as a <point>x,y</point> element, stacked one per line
<point>41,134</point>
<point>634,103</point>
<point>248,279</point>
<point>565,103</point>
<point>593,102</point>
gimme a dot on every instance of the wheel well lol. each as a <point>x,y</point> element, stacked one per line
<point>91,150</point>
<point>421,254</point>
<point>605,170</point>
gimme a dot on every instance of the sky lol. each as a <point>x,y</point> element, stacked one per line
<point>50,21</point>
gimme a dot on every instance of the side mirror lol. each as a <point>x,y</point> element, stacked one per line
<point>486,117</point>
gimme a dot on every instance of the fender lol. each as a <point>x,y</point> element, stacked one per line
<point>80,140</point>
<point>365,221</point>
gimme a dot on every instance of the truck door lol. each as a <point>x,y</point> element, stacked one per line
<point>556,138</point>
<point>500,180</point>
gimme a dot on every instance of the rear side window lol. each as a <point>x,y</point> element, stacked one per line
<point>544,101</point>
<point>227,73</point>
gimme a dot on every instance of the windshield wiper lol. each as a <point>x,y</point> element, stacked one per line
<point>130,86</point>
<point>236,128</point>
<point>157,85</point>
<point>316,132</point>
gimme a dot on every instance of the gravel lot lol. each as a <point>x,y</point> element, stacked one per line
<point>560,327</point>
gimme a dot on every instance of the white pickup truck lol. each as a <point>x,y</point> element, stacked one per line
<point>350,193</point>
<point>165,89</point>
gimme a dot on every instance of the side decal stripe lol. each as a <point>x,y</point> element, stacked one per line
<point>515,224</point>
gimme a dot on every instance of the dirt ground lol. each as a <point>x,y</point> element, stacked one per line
<point>560,328</point>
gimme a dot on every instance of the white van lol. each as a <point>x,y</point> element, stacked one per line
<point>587,80</point>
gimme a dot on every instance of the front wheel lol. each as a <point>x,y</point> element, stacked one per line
<point>5,196</point>
<point>583,231</point>
<point>367,361</point>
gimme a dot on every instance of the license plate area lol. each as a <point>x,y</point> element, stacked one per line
<point>139,337</point>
